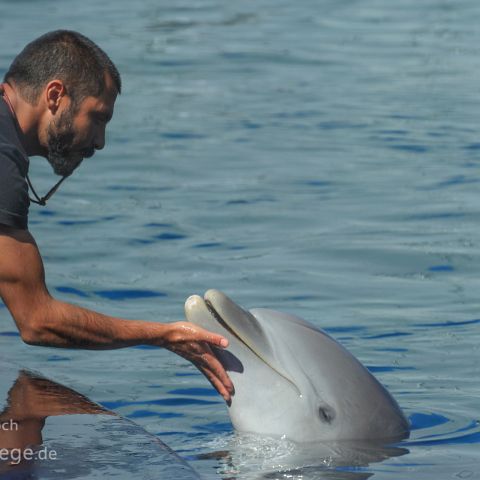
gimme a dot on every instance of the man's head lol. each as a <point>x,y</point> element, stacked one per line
<point>72,84</point>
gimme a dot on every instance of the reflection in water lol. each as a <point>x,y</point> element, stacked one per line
<point>32,399</point>
<point>80,439</point>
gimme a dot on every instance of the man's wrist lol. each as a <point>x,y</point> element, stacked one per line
<point>138,332</point>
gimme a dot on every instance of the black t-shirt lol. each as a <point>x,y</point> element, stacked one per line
<point>14,201</point>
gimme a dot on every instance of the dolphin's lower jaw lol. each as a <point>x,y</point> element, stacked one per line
<point>292,379</point>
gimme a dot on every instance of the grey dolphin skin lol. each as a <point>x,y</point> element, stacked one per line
<point>293,380</point>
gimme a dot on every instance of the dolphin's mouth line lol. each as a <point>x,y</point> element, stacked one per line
<point>224,324</point>
<point>229,329</point>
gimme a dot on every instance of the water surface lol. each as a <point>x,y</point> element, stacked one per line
<point>317,157</point>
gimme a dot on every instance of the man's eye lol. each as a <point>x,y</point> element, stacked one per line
<point>99,118</point>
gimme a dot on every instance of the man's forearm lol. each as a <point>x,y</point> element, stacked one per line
<point>65,325</point>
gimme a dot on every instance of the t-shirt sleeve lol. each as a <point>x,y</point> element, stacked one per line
<point>14,200</point>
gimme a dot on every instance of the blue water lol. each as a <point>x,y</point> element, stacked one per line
<point>316,157</point>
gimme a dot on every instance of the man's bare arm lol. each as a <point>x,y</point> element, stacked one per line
<point>43,320</point>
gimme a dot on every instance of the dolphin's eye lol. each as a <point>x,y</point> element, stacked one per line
<point>326,414</point>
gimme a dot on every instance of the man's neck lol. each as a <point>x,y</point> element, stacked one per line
<point>26,117</point>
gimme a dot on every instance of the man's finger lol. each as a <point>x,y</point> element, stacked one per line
<point>216,371</point>
<point>217,384</point>
<point>220,372</point>
<point>215,339</point>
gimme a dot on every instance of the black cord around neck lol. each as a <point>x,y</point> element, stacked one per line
<point>43,201</point>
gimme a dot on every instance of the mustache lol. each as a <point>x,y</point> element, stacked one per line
<point>88,152</point>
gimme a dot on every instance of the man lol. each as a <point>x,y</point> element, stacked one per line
<point>56,100</point>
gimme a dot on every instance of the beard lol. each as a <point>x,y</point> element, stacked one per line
<point>60,141</point>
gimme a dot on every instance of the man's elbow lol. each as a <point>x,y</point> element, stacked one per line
<point>33,320</point>
<point>34,332</point>
<point>32,338</point>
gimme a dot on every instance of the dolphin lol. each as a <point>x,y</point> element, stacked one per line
<point>292,380</point>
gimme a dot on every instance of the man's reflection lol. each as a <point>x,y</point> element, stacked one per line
<point>30,401</point>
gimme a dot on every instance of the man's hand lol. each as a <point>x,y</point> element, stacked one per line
<point>194,344</point>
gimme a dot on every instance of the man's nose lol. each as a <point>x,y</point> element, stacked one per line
<point>99,140</point>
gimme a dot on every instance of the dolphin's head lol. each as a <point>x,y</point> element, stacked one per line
<point>292,379</point>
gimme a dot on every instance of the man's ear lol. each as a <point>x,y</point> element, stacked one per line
<point>55,93</point>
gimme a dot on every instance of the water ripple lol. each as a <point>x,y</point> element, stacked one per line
<point>442,429</point>
<point>128,294</point>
